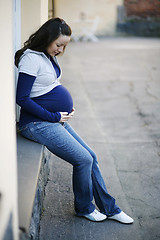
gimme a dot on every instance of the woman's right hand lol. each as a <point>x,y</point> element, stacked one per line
<point>65,116</point>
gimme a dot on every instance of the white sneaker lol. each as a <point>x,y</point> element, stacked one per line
<point>122,217</point>
<point>96,216</point>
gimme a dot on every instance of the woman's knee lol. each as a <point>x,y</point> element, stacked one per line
<point>86,160</point>
<point>89,160</point>
<point>94,156</point>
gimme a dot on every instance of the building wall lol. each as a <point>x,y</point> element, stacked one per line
<point>105,10</point>
<point>33,14</point>
<point>142,8</point>
<point>8,164</point>
<point>50,9</point>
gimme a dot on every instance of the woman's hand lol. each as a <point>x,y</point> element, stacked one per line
<point>65,116</point>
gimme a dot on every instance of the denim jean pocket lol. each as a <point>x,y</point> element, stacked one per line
<point>28,132</point>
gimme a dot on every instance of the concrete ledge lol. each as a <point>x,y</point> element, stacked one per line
<point>32,177</point>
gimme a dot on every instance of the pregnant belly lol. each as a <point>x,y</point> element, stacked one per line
<point>57,100</point>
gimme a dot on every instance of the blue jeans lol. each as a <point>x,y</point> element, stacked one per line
<point>65,143</point>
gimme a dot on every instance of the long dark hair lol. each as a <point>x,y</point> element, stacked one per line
<point>46,34</point>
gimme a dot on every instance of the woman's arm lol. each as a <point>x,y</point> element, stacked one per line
<point>24,86</point>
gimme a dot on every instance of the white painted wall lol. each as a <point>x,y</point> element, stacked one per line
<point>8,161</point>
<point>16,40</point>
<point>18,20</point>
<point>33,14</point>
<point>106,10</point>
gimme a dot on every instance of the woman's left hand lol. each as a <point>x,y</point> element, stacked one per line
<point>72,113</point>
<point>65,116</point>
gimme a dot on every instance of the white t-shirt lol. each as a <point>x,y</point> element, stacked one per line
<point>37,64</point>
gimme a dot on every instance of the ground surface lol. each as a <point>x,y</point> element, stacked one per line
<point>115,84</point>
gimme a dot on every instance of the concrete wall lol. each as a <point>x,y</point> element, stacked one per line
<point>106,10</point>
<point>33,14</point>
<point>8,164</point>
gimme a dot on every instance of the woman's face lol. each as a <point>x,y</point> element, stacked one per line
<point>58,46</point>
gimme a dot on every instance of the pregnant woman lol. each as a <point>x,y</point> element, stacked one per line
<point>46,108</point>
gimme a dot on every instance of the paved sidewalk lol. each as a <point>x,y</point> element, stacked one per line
<point>115,84</point>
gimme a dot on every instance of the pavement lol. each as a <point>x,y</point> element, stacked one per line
<point>115,84</point>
